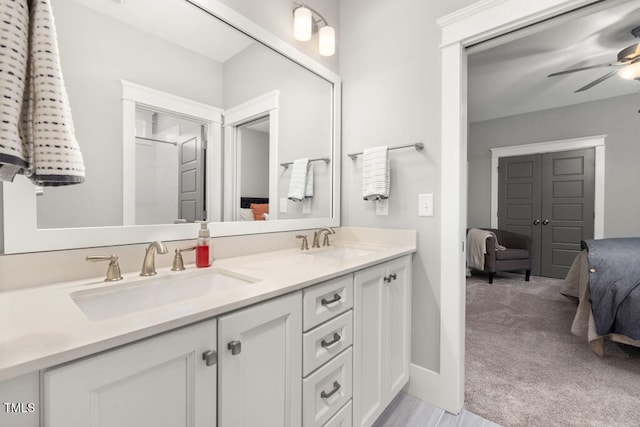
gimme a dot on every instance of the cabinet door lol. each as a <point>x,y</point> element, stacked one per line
<point>398,325</point>
<point>368,345</point>
<point>260,365</point>
<point>381,348</point>
<point>161,381</point>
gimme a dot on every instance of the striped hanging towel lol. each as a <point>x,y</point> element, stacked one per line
<point>36,129</point>
<point>375,173</point>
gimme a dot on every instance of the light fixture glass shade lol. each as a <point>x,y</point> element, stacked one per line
<point>327,41</point>
<point>630,72</point>
<point>302,24</point>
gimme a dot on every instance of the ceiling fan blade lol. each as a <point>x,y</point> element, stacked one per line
<point>590,67</point>
<point>597,81</point>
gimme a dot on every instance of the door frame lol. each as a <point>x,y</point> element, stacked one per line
<point>265,105</point>
<point>597,142</point>
<point>478,22</point>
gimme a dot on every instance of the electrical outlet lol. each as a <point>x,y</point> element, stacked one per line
<point>283,205</point>
<point>382,207</point>
<point>425,204</point>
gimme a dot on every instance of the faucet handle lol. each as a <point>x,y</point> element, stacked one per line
<point>178,263</point>
<point>325,241</point>
<point>113,271</point>
<point>305,244</point>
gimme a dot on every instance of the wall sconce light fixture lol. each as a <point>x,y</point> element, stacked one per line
<point>306,22</point>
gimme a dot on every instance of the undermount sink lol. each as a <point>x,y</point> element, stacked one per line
<point>342,252</point>
<point>112,300</point>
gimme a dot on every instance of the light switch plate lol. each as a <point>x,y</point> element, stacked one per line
<point>425,204</point>
<point>382,207</point>
<point>306,206</point>
<point>283,205</point>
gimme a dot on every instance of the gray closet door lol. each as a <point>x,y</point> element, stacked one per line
<point>520,199</point>
<point>549,197</point>
<point>567,208</point>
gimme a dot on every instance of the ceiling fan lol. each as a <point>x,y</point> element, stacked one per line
<point>627,65</point>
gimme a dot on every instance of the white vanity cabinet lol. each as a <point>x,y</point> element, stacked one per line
<point>327,354</point>
<point>381,348</point>
<point>260,364</point>
<point>167,380</point>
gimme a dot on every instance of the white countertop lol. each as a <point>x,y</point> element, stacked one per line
<point>43,326</point>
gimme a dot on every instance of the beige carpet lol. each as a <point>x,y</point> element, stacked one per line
<point>525,368</point>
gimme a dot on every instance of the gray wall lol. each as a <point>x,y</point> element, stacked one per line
<point>96,52</point>
<point>616,117</point>
<point>390,64</point>
<point>254,179</point>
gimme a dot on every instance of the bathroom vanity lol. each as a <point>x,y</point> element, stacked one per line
<point>282,338</point>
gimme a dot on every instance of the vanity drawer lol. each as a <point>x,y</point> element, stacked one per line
<point>343,418</point>
<point>327,300</point>
<point>325,391</point>
<point>322,343</point>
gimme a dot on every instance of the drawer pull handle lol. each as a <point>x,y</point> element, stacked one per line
<point>325,343</point>
<point>336,298</point>
<point>336,387</point>
<point>235,347</point>
<point>210,357</point>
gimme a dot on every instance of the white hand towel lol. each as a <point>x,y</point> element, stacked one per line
<point>375,173</point>
<point>298,182</point>
<point>37,134</point>
<point>308,192</point>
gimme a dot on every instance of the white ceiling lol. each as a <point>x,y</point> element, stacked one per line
<point>509,76</point>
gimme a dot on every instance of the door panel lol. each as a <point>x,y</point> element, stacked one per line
<point>191,180</point>
<point>567,208</point>
<point>519,198</point>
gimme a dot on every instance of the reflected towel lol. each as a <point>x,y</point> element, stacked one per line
<point>308,192</point>
<point>298,183</point>
<point>36,130</point>
<point>375,173</point>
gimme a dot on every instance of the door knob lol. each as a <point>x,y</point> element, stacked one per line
<point>536,222</point>
<point>235,347</point>
<point>545,222</point>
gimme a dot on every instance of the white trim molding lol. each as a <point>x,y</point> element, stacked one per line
<point>597,142</point>
<point>479,22</point>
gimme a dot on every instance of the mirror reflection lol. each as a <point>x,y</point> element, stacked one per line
<point>156,165</point>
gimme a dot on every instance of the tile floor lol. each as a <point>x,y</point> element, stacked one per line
<point>407,411</point>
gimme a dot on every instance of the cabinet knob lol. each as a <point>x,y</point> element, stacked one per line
<point>210,357</point>
<point>545,222</point>
<point>536,222</point>
<point>336,387</point>
<point>235,347</point>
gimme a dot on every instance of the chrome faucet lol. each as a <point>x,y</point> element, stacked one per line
<point>149,264</point>
<point>325,241</point>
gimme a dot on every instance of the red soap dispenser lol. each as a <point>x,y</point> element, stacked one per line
<point>203,252</point>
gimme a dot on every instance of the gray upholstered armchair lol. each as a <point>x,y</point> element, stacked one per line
<point>516,257</point>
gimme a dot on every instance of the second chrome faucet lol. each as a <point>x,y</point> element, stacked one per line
<point>149,264</point>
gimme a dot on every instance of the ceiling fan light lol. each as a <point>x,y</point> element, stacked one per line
<point>302,24</point>
<point>630,72</point>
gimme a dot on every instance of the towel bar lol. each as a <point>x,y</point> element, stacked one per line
<point>419,146</point>
<point>324,159</point>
